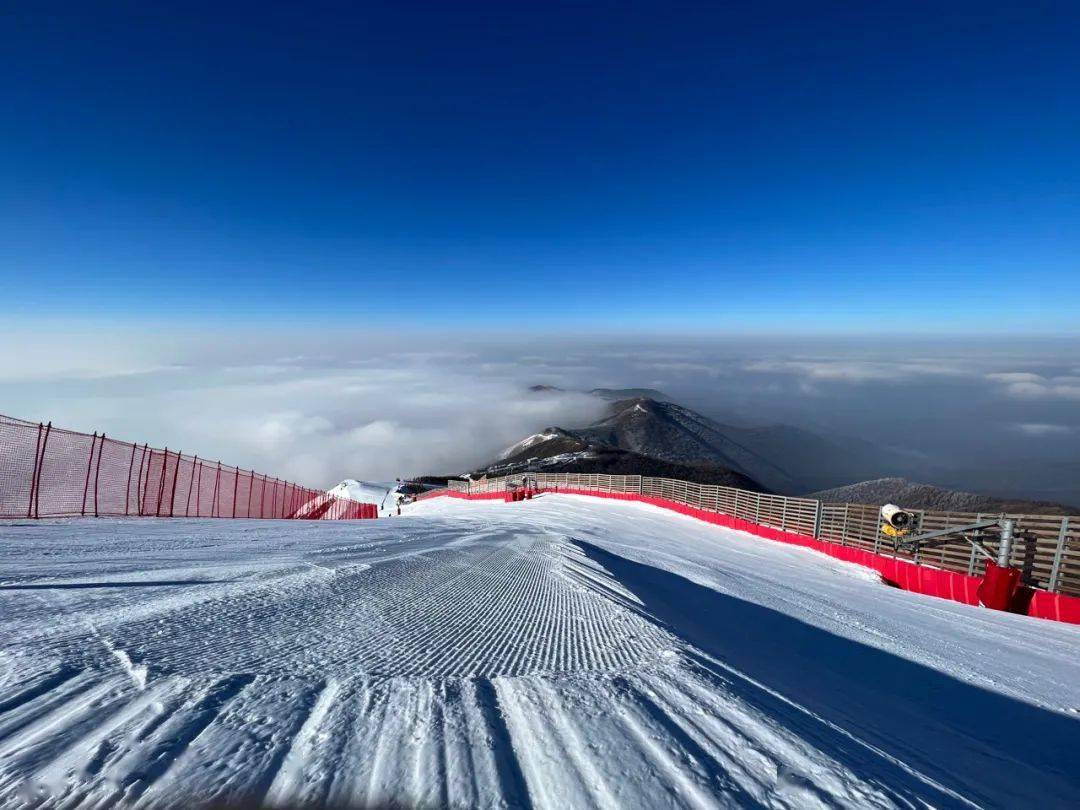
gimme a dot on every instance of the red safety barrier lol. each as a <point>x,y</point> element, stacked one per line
<point>998,586</point>
<point>51,472</point>
<point>902,574</point>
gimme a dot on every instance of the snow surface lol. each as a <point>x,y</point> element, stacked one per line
<point>560,652</point>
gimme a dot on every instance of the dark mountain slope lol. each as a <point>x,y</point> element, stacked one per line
<point>927,496</point>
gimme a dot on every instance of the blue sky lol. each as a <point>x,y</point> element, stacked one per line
<point>759,167</point>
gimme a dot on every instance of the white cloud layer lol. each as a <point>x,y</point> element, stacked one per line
<point>1039,429</point>
<point>329,413</point>
<point>1027,385</point>
<point>317,408</point>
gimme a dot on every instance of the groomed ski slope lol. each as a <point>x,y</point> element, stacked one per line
<point>561,652</point>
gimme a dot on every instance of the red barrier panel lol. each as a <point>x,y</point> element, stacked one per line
<point>998,586</point>
<point>51,472</point>
<point>901,573</point>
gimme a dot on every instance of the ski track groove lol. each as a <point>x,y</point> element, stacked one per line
<point>448,666</point>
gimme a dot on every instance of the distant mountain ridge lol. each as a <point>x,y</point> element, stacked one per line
<point>640,435</point>
<point>913,495</point>
<point>671,433</point>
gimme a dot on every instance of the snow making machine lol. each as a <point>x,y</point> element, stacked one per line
<point>1000,581</point>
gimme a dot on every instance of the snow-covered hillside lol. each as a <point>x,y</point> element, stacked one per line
<point>528,442</point>
<point>367,492</point>
<point>561,652</point>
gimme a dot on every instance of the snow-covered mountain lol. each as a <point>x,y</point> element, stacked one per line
<point>552,441</point>
<point>593,450</point>
<point>780,458</point>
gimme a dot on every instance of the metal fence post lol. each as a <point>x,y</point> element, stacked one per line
<point>161,483</point>
<point>34,472</point>
<point>190,485</point>
<point>97,473</point>
<point>89,465</point>
<point>217,484</point>
<point>1059,555</point>
<point>198,492</point>
<point>817,521</point>
<point>40,470</point>
<point>972,558</point>
<point>235,490</point>
<point>176,475</point>
<point>140,488</point>
<point>127,489</point>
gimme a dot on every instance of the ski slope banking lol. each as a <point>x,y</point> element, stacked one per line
<point>561,651</point>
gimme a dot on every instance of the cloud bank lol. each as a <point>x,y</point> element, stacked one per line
<point>320,407</point>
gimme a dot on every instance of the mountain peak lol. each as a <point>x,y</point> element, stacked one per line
<point>621,394</point>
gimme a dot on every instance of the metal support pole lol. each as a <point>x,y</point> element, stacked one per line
<point>127,489</point>
<point>34,472</point>
<point>1059,555</point>
<point>144,508</point>
<point>89,466</point>
<point>198,492</point>
<point>190,486</point>
<point>161,483</point>
<point>817,521</point>
<point>974,552</point>
<point>176,475</point>
<point>97,473</point>
<point>40,469</point>
<point>1005,549</point>
<point>217,486</point>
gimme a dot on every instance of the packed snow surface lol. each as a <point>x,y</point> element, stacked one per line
<point>560,652</point>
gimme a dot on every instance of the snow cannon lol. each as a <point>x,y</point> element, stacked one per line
<point>1001,581</point>
<point>896,522</point>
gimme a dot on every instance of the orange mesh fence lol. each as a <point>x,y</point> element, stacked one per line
<point>51,472</point>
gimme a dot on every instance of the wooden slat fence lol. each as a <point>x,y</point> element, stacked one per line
<point>1047,548</point>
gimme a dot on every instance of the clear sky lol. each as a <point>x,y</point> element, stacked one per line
<point>731,166</point>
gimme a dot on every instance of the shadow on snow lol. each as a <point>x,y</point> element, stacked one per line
<point>916,732</point>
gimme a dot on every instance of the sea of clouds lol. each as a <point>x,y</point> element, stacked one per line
<point>321,407</point>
